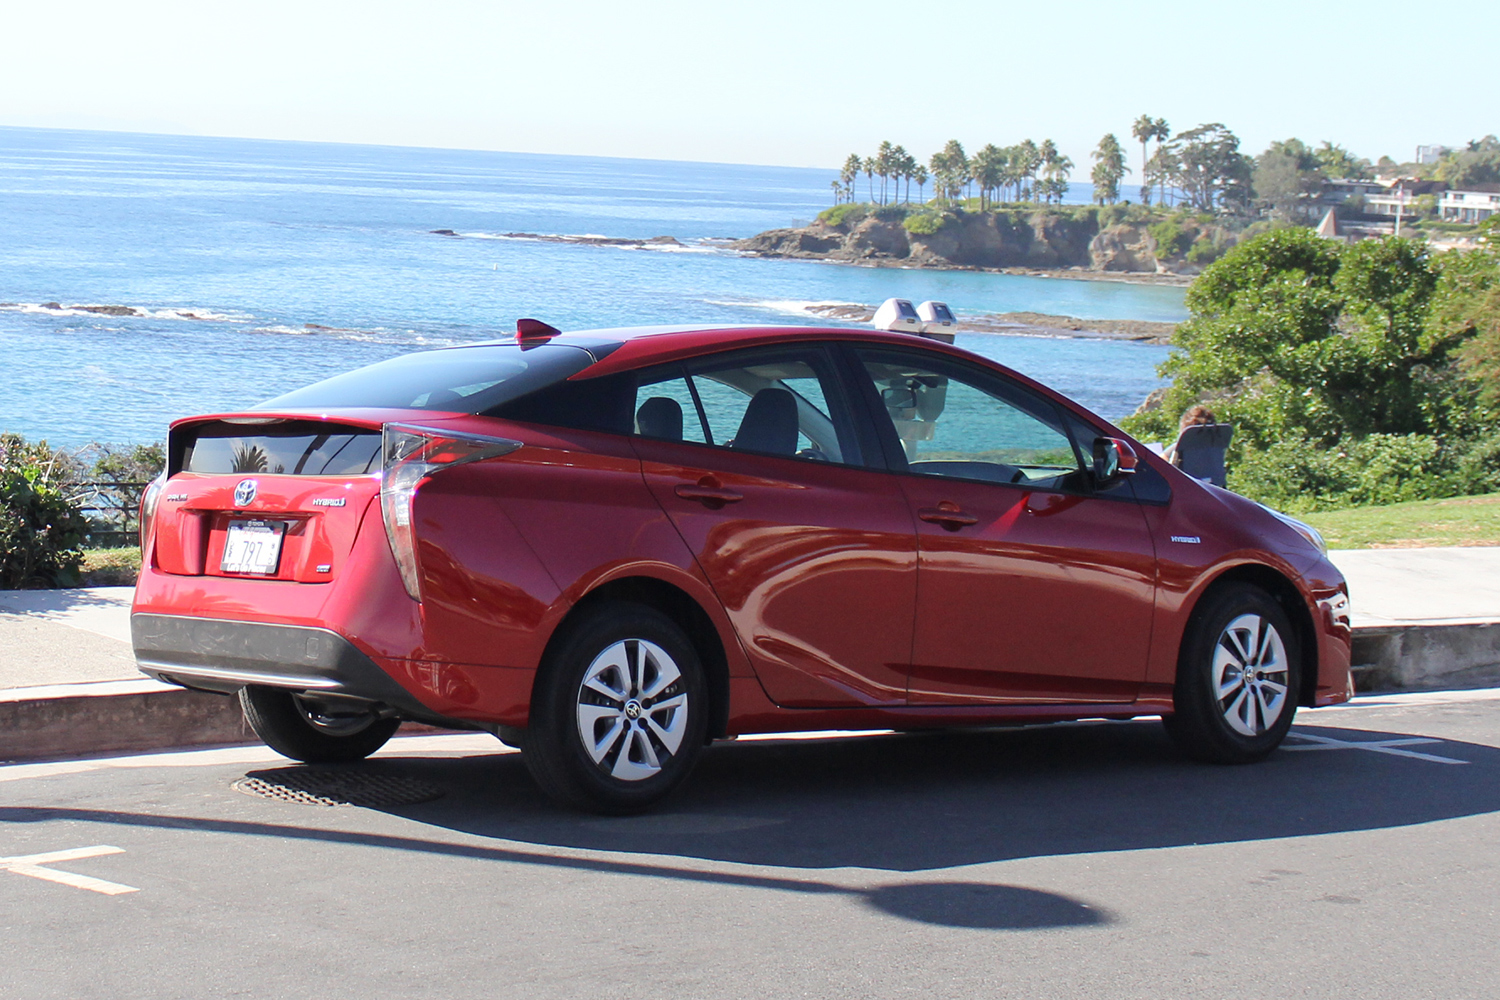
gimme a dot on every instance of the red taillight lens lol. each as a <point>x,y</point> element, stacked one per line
<point>409,456</point>
<point>149,499</point>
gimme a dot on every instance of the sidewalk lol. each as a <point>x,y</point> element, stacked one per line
<point>1423,618</point>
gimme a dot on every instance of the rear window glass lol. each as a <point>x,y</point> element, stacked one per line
<point>293,448</point>
<point>457,380</point>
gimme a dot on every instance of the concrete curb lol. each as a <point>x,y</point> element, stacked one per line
<point>1427,657</point>
<point>100,717</point>
<point>66,720</point>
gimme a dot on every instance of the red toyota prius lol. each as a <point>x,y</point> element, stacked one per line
<point>612,547</point>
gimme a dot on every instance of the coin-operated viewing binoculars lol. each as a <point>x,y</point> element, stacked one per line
<point>930,319</point>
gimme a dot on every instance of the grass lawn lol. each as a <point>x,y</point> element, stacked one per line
<point>111,567</point>
<point>1417,524</point>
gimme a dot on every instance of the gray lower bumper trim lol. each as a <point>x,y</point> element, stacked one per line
<point>217,655</point>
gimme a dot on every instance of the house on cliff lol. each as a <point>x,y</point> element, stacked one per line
<point>1471,205</point>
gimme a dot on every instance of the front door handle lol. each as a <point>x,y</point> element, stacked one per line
<point>948,515</point>
<point>708,492</point>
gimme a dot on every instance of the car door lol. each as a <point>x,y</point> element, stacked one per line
<point>1032,587</point>
<point>756,461</point>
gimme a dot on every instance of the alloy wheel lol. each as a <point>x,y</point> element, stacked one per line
<point>1250,674</point>
<point>632,709</point>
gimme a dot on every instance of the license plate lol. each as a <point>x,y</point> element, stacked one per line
<point>253,547</point>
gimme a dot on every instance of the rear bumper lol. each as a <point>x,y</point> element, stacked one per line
<point>212,654</point>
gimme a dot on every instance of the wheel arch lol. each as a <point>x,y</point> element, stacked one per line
<point>686,613</point>
<point>1285,593</point>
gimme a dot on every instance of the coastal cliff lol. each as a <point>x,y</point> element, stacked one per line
<point>1042,239</point>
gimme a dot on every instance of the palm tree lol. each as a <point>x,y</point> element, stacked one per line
<point>884,165</point>
<point>1109,168</point>
<point>901,165</point>
<point>987,168</point>
<point>1028,158</point>
<point>1144,131</point>
<point>950,170</point>
<point>919,174</point>
<point>1057,177</point>
<point>1047,153</point>
<point>870,176</point>
<point>1160,132</point>
<point>1013,175</point>
<point>850,173</point>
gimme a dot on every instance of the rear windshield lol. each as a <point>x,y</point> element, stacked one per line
<point>290,448</point>
<point>456,380</point>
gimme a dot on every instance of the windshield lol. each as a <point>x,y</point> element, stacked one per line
<point>456,380</point>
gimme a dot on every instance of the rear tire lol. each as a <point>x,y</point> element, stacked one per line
<point>301,730</point>
<point>619,713</point>
<point>1238,676</point>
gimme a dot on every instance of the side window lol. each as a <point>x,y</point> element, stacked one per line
<point>954,421</point>
<point>664,408</point>
<point>780,403</point>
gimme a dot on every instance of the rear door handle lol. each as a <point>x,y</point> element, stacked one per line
<point>709,495</point>
<point>948,515</point>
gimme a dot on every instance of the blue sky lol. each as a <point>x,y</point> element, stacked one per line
<point>795,83</point>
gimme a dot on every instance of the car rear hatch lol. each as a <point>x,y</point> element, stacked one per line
<point>275,498</point>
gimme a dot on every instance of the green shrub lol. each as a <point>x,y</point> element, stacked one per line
<point>926,223</point>
<point>847,213</point>
<point>42,530</point>
<point>1172,240</point>
<point>1203,251</point>
<point>1297,476</point>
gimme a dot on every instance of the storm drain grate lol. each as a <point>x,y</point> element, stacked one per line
<point>311,786</point>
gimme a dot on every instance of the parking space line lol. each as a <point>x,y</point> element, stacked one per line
<point>30,865</point>
<point>1391,747</point>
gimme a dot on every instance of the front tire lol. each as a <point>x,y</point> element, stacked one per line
<point>297,728</point>
<point>1238,675</point>
<point>620,711</point>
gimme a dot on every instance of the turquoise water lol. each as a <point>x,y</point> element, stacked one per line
<point>252,267</point>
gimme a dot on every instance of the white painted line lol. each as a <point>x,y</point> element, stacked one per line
<point>76,881</point>
<point>1398,699</point>
<point>1375,746</point>
<point>56,857</point>
<point>30,865</point>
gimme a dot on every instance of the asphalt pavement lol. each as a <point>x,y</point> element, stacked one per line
<point>1083,860</point>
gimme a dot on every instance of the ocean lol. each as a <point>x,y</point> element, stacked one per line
<point>148,277</point>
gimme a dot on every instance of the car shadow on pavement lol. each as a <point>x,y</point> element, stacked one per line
<point>905,804</point>
<point>917,802</point>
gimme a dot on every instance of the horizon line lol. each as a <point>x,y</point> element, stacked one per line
<point>392,145</point>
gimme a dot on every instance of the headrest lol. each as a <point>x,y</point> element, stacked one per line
<point>770,423</point>
<point>660,417</point>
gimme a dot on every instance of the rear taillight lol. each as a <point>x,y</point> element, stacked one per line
<point>149,500</point>
<point>409,456</point>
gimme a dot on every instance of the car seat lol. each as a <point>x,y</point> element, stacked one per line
<point>770,423</point>
<point>1200,451</point>
<point>660,417</point>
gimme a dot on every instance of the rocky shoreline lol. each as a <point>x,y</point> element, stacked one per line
<point>588,241</point>
<point>1025,324</point>
<point>1043,243</point>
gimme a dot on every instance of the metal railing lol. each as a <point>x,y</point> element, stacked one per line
<point>113,509</point>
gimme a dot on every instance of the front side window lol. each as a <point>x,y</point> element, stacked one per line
<point>954,421</point>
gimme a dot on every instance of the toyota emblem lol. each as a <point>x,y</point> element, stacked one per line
<point>244,493</point>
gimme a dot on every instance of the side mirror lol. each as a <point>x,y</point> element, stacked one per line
<point>1113,458</point>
